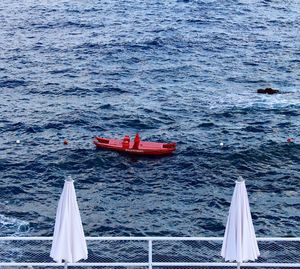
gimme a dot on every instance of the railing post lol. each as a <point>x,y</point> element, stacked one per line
<point>150,253</point>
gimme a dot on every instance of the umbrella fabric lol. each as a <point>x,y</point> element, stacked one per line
<point>68,240</point>
<point>239,242</point>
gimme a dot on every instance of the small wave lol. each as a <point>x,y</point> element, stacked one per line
<point>86,25</point>
<point>13,190</point>
<point>206,125</point>
<point>251,63</point>
<point>146,44</point>
<point>89,45</point>
<point>12,83</point>
<point>13,127</point>
<point>75,120</point>
<point>110,89</point>
<point>157,42</point>
<point>13,226</point>
<point>254,129</point>
<point>138,124</point>
<point>42,26</point>
<point>244,80</point>
<point>53,125</point>
<point>291,194</point>
<point>211,225</point>
<point>77,91</point>
<point>198,21</point>
<point>106,106</point>
<point>52,92</point>
<point>60,71</point>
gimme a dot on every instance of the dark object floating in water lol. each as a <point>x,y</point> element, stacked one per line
<point>267,91</point>
<point>137,147</point>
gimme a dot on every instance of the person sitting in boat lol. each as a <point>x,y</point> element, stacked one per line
<point>126,142</point>
<point>137,141</point>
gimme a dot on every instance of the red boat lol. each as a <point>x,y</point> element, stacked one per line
<point>136,147</point>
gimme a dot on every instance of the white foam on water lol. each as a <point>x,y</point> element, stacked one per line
<point>13,226</point>
<point>278,102</point>
<point>291,193</point>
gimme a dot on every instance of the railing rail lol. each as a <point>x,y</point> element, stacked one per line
<point>155,253</point>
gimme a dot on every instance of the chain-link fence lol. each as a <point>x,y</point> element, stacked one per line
<point>148,252</point>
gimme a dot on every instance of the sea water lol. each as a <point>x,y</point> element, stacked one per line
<point>174,71</point>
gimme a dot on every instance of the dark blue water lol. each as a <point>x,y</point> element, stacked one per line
<point>182,71</point>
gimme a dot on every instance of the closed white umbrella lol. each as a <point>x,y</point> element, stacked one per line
<point>68,239</point>
<point>239,242</point>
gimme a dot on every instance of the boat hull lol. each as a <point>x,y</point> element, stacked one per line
<point>144,148</point>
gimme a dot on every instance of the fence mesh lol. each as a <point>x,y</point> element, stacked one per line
<point>137,251</point>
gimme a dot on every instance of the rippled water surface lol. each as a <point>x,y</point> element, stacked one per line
<point>182,71</point>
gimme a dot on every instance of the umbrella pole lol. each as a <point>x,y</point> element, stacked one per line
<point>66,265</point>
<point>238,265</point>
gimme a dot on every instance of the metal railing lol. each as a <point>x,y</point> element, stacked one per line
<point>203,252</point>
